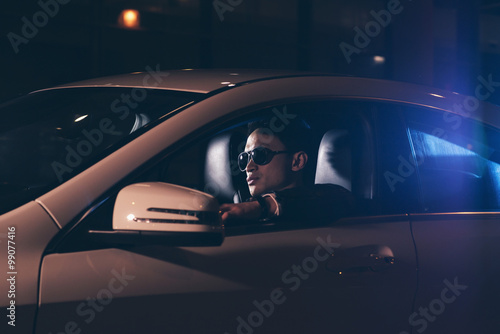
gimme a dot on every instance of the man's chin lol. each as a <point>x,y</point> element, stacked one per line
<point>257,191</point>
<point>254,191</point>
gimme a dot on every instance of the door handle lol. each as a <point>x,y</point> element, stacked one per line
<point>381,262</point>
<point>360,259</point>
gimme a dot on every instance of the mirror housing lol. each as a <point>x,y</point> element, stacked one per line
<point>162,213</point>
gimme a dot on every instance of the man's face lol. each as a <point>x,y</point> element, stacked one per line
<point>274,176</point>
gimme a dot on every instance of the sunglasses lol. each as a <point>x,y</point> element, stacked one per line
<point>260,155</point>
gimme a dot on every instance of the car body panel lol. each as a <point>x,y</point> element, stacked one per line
<point>33,230</point>
<point>177,284</point>
<point>459,269</point>
<point>190,80</point>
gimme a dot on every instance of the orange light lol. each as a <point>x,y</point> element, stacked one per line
<point>129,18</point>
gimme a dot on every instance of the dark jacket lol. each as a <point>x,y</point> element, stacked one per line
<point>314,204</point>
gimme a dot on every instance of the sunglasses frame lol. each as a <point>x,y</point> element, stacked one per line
<point>250,155</point>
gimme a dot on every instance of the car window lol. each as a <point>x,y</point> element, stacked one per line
<point>207,161</point>
<point>48,137</point>
<point>338,155</point>
<point>458,162</point>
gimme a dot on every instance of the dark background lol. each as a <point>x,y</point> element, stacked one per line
<point>441,43</point>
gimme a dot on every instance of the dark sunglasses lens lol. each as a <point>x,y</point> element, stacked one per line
<point>260,155</point>
<point>243,161</point>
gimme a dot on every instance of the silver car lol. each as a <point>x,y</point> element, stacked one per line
<point>110,191</point>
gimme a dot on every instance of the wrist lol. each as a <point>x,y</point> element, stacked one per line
<point>264,206</point>
<point>271,205</point>
<point>274,205</point>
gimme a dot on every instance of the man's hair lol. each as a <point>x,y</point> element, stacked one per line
<point>295,135</point>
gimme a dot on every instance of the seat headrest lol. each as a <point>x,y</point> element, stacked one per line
<point>222,176</point>
<point>335,159</point>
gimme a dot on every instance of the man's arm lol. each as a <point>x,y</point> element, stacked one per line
<point>308,203</point>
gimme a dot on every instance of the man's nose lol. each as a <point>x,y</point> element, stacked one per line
<point>251,166</point>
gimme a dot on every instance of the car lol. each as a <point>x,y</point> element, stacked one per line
<point>111,187</point>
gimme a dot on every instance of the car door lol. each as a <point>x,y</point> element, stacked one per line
<point>356,273</point>
<point>457,229</point>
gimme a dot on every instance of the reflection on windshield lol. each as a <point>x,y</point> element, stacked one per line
<point>48,137</point>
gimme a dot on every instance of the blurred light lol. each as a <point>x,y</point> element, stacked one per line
<point>78,119</point>
<point>234,74</point>
<point>130,217</point>
<point>231,85</point>
<point>437,95</point>
<point>379,59</point>
<point>437,147</point>
<point>129,18</point>
<point>225,82</point>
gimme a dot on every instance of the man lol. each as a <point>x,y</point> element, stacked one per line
<point>275,164</point>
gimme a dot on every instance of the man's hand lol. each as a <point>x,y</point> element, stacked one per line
<point>246,210</point>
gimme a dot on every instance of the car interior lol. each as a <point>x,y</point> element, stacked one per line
<point>342,156</point>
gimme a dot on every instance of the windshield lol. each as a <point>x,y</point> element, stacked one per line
<point>50,136</point>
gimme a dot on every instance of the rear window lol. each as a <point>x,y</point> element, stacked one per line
<point>48,137</point>
<point>458,163</point>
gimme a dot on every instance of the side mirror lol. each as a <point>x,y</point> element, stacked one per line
<point>163,213</point>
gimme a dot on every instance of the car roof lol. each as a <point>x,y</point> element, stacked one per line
<point>217,80</point>
<point>188,80</point>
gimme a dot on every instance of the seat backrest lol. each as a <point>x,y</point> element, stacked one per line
<point>345,158</point>
<point>335,159</point>
<point>222,175</point>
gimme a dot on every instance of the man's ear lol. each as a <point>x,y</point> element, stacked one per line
<point>299,161</point>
